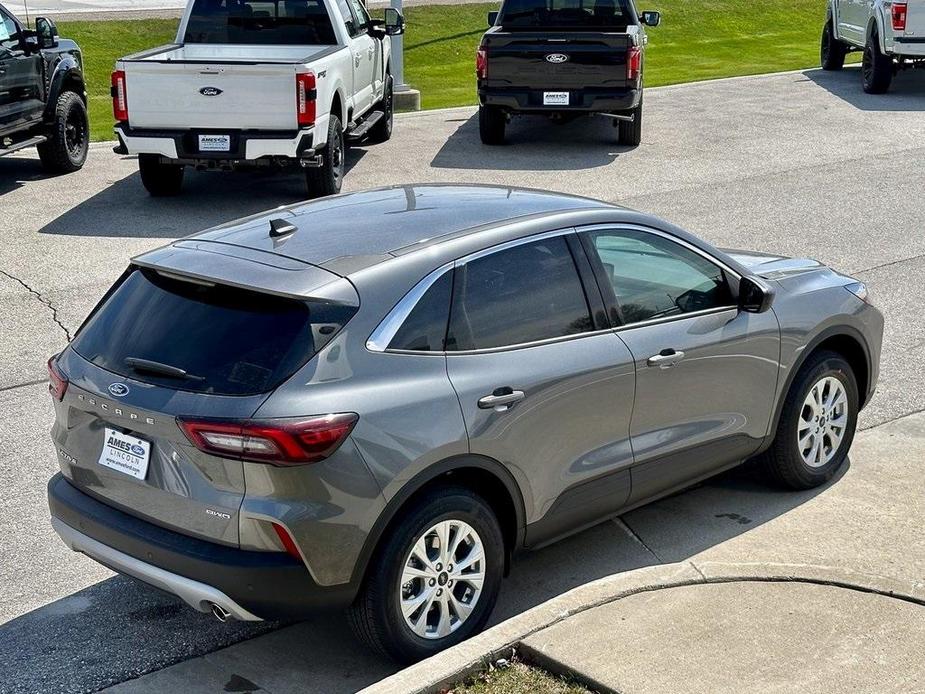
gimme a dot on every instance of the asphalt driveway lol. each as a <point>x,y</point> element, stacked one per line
<point>800,163</point>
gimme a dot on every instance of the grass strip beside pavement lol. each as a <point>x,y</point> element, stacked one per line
<point>698,39</point>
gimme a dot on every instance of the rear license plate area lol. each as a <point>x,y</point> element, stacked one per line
<point>555,98</point>
<point>215,143</point>
<point>125,453</point>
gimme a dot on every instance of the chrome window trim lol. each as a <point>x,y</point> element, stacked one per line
<point>669,237</point>
<point>385,332</point>
<point>382,336</point>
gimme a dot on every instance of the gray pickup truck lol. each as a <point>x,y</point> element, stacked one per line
<point>562,60</point>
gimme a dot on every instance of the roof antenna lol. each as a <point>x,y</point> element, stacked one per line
<point>281,227</point>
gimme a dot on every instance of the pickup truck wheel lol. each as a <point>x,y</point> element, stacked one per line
<point>832,52</point>
<point>160,179</point>
<point>434,579</point>
<point>65,150</point>
<point>817,424</point>
<point>382,130</point>
<point>876,67</point>
<point>327,178</point>
<point>492,123</point>
<point>631,131</point>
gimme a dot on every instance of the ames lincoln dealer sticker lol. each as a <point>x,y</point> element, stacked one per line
<point>125,453</point>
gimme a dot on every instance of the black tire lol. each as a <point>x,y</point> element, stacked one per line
<point>327,178</point>
<point>376,617</point>
<point>382,130</point>
<point>160,179</point>
<point>876,67</point>
<point>832,52</point>
<point>783,461</point>
<point>492,123</point>
<point>68,142</point>
<point>630,132</point>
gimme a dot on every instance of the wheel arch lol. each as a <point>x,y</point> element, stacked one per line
<point>875,23</point>
<point>844,340</point>
<point>67,76</point>
<point>483,475</point>
<point>337,107</point>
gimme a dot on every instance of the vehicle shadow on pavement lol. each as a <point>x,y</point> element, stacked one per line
<point>119,629</point>
<point>533,143</point>
<point>907,92</point>
<point>125,209</point>
<point>15,172</point>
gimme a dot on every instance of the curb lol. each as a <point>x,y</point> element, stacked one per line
<point>459,662</point>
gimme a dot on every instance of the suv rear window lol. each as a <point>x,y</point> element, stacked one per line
<point>228,341</point>
<point>591,15</point>
<point>260,23</point>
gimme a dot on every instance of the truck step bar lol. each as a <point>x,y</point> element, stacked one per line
<point>359,132</point>
<point>15,147</point>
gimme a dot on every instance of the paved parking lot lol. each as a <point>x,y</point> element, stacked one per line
<point>801,163</point>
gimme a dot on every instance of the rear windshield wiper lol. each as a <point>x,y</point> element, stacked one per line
<point>156,367</point>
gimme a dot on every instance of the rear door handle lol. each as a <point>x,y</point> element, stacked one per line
<point>665,358</point>
<point>501,399</point>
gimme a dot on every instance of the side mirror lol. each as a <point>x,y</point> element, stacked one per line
<point>30,43</point>
<point>754,295</point>
<point>47,32</point>
<point>394,22</point>
<point>492,18</point>
<point>651,18</point>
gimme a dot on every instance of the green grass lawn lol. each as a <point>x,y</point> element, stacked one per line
<point>698,39</point>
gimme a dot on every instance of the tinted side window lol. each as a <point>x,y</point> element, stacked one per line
<point>424,330</point>
<point>653,277</point>
<point>347,14</point>
<point>522,294</point>
<point>9,33</point>
<point>260,22</point>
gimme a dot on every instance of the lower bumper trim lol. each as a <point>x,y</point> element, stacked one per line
<point>197,595</point>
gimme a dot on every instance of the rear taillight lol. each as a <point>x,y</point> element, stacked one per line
<point>899,12</point>
<point>633,63</point>
<point>57,381</point>
<point>119,97</point>
<point>278,441</point>
<point>481,63</point>
<point>305,97</point>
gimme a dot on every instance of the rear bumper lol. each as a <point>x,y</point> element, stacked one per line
<point>246,145</point>
<point>247,585</point>
<point>909,46</point>
<point>590,100</point>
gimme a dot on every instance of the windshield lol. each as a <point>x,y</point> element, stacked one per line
<point>591,15</point>
<point>203,337</point>
<point>260,23</point>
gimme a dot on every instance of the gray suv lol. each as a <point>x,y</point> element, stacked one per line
<point>375,400</point>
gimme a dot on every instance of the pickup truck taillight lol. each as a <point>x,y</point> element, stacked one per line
<point>899,15</point>
<point>633,63</point>
<point>305,98</point>
<point>119,98</point>
<point>481,63</point>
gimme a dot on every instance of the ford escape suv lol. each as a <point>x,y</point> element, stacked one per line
<point>374,400</point>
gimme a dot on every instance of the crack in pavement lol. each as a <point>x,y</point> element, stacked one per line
<point>889,264</point>
<point>38,295</point>
<point>22,385</point>
<point>635,536</point>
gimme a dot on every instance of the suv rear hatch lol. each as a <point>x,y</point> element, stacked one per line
<point>194,330</point>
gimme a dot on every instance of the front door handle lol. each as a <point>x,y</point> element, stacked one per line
<point>501,399</point>
<point>356,59</point>
<point>665,358</point>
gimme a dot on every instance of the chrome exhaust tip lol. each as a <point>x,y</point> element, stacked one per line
<point>219,612</point>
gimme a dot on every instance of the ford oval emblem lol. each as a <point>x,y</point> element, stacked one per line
<point>118,389</point>
<point>210,91</point>
<point>137,450</point>
<point>556,58</point>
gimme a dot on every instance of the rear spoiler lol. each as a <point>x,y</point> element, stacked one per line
<point>215,262</point>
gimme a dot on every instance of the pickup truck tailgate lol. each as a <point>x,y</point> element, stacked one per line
<point>519,59</point>
<point>167,95</point>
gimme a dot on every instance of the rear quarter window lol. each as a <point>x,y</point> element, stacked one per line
<point>229,341</point>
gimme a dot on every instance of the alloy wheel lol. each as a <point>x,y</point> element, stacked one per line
<point>823,421</point>
<point>442,579</point>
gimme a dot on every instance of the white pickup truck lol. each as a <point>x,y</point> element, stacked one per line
<point>278,83</point>
<point>891,34</point>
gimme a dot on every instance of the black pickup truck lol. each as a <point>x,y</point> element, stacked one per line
<point>563,59</point>
<point>43,100</point>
